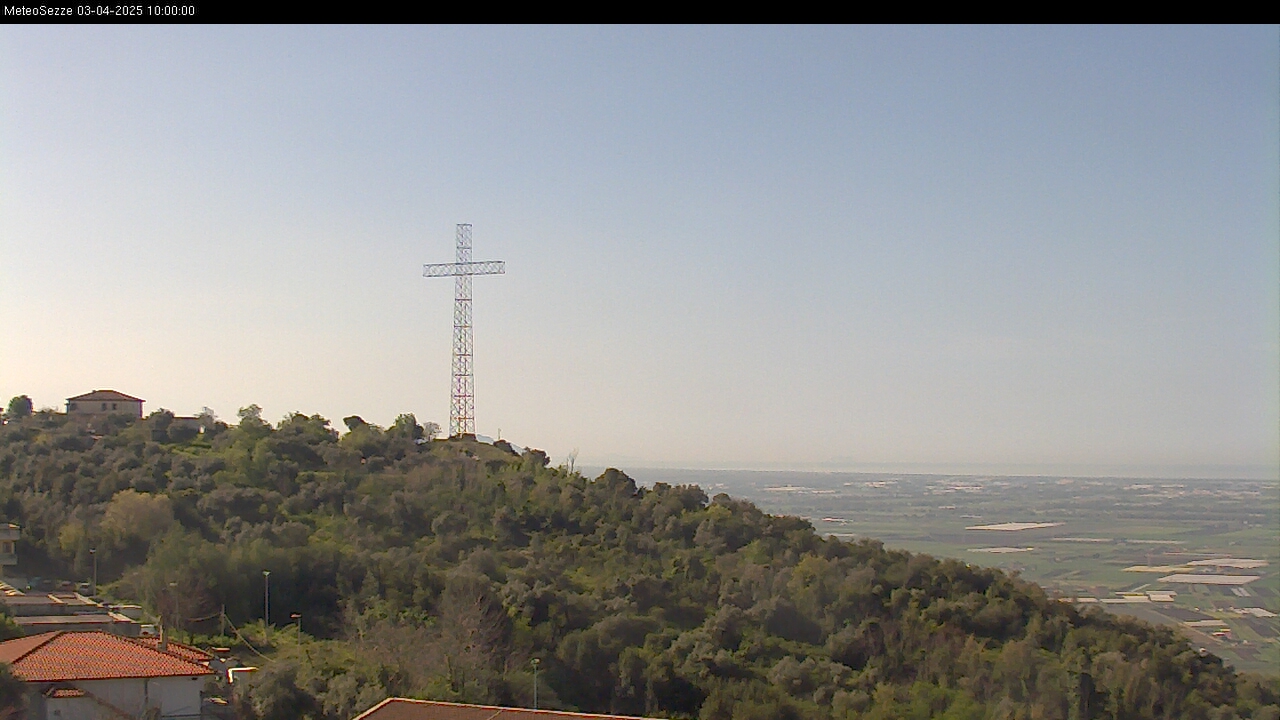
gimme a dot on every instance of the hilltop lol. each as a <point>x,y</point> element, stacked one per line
<point>441,568</point>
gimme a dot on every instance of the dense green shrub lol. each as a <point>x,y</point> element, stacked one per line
<point>442,568</point>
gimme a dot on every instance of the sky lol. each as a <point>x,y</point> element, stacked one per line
<point>1025,250</point>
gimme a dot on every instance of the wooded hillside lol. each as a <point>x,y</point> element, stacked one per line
<point>440,569</point>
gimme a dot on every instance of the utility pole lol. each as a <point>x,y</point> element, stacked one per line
<point>177,605</point>
<point>535,661</point>
<point>93,553</point>
<point>266,602</point>
<point>462,409</point>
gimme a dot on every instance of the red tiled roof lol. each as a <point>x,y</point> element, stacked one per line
<point>406,709</point>
<point>186,652</point>
<point>104,395</point>
<point>64,692</point>
<point>11,650</point>
<point>63,656</point>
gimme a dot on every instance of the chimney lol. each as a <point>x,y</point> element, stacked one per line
<point>164,639</point>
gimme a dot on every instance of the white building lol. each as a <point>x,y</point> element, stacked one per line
<point>105,402</point>
<point>99,676</point>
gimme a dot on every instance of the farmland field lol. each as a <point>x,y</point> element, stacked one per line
<point>1134,547</point>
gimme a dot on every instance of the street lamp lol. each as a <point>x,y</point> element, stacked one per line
<point>177,605</point>
<point>266,601</point>
<point>535,662</point>
<point>93,553</point>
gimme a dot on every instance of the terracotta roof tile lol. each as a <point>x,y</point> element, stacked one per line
<point>65,656</point>
<point>186,652</point>
<point>12,650</point>
<point>104,395</point>
<point>406,709</point>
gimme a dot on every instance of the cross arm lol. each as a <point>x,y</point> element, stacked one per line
<point>485,267</point>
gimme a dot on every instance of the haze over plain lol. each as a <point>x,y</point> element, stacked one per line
<point>1003,249</point>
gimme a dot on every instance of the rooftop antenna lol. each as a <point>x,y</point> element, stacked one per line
<point>462,408</point>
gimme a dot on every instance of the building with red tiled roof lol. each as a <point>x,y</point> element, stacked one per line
<point>406,709</point>
<point>105,402</point>
<point>186,652</point>
<point>100,675</point>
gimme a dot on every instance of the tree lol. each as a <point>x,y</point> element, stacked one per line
<point>13,701</point>
<point>475,633</point>
<point>250,413</point>
<point>9,629</point>
<point>274,694</point>
<point>406,425</point>
<point>134,514</point>
<point>431,431</point>
<point>19,407</point>
<point>208,420</point>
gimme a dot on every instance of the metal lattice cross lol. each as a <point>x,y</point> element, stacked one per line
<point>462,410</point>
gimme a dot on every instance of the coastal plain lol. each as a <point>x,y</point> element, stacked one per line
<point>1202,555</point>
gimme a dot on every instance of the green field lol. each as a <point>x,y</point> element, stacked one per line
<point>1100,528</point>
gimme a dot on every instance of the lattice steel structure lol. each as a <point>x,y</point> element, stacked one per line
<point>462,408</point>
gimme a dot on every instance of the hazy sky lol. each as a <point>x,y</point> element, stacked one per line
<point>843,248</point>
